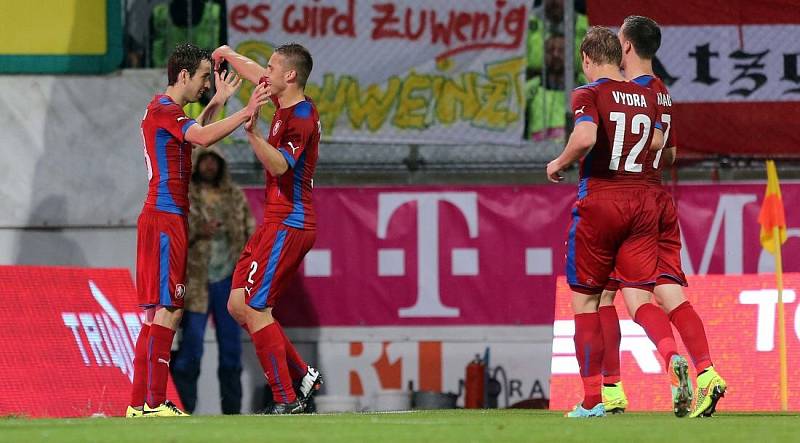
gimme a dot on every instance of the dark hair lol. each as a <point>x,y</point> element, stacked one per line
<point>643,33</point>
<point>299,59</point>
<point>221,166</point>
<point>602,46</point>
<point>185,56</point>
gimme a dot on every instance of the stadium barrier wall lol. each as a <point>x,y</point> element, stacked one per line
<point>492,258</point>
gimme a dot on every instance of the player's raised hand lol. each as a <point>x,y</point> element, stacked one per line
<point>554,172</point>
<point>251,125</point>
<point>259,98</point>
<point>218,56</point>
<point>226,83</point>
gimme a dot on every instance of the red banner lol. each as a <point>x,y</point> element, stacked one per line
<point>488,255</point>
<point>68,336</point>
<point>732,68</point>
<point>739,312</point>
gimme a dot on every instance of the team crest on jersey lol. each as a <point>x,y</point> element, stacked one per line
<point>180,291</point>
<point>275,128</point>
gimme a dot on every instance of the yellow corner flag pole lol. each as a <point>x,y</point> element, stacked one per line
<point>773,233</point>
<point>781,323</point>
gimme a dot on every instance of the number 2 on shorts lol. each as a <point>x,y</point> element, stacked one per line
<point>253,269</point>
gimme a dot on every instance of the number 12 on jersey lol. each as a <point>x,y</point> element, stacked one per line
<point>640,124</point>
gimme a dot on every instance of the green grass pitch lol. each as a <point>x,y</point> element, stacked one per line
<point>421,426</point>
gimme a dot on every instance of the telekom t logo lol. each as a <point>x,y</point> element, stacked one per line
<point>391,261</point>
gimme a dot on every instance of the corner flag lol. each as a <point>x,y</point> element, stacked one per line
<point>772,214</point>
<point>773,234</point>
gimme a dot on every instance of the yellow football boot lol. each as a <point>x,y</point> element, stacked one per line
<point>710,388</point>
<point>166,409</point>
<point>614,398</point>
<point>133,412</point>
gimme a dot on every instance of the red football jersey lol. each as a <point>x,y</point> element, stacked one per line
<point>167,155</point>
<point>654,164</point>
<point>626,115</point>
<point>295,132</point>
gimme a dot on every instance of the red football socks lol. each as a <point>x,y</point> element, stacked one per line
<point>609,323</point>
<point>656,324</point>
<point>693,334</point>
<point>139,390</point>
<point>271,352</point>
<point>159,346</point>
<point>297,366</point>
<point>589,352</point>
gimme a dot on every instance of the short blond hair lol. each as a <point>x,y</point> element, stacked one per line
<point>602,46</point>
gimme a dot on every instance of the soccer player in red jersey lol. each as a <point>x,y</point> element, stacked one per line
<point>162,243</point>
<point>640,38</point>
<point>615,220</point>
<point>274,252</point>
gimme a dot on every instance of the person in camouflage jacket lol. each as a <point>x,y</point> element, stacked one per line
<point>220,223</point>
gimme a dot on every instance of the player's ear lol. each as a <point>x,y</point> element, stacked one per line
<point>291,75</point>
<point>183,76</point>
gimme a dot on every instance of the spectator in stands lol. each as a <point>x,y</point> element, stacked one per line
<point>546,94</point>
<point>554,61</point>
<point>201,22</point>
<point>219,225</point>
<point>154,27</point>
<point>546,65</point>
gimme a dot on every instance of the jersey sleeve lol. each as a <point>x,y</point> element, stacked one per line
<point>669,129</point>
<point>672,137</point>
<point>584,106</point>
<point>659,124</point>
<point>297,134</point>
<point>172,118</point>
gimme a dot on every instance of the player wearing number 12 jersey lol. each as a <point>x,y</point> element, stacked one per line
<point>162,238</point>
<point>615,220</point>
<point>640,38</point>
